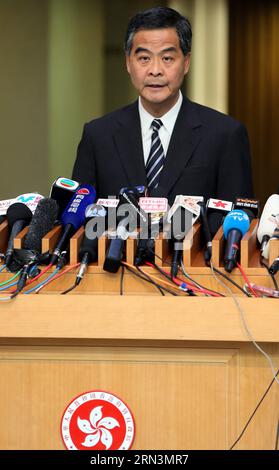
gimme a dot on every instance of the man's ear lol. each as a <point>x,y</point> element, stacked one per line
<point>128,63</point>
<point>187,63</point>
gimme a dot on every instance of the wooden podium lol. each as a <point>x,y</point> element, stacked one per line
<point>184,365</point>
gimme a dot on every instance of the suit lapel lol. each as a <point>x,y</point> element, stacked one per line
<point>128,141</point>
<point>185,138</point>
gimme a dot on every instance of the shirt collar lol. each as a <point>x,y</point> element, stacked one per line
<point>167,119</point>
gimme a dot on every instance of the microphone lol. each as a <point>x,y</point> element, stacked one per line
<point>156,207</point>
<point>4,205</point>
<point>62,191</point>
<point>31,200</point>
<point>73,217</point>
<point>182,215</point>
<point>18,216</point>
<point>269,222</point>
<point>250,206</point>
<point>216,209</point>
<point>206,232</point>
<point>95,226</point>
<point>42,222</point>
<point>235,225</point>
<point>129,215</point>
<point>274,268</point>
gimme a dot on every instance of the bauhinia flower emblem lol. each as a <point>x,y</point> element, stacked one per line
<point>97,428</point>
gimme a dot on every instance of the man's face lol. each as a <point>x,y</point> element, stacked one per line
<point>157,67</point>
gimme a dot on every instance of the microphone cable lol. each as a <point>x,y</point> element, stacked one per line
<point>77,281</point>
<point>220,273</point>
<point>56,275</point>
<point>7,299</point>
<point>277,436</point>
<point>149,278</point>
<point>189,286</point>
<point>15,292</point>
<point>263,263</point>
<point>4,285</point>
<point>171,278</point>
<point>246,327</point>
<point>70,289</point>
<point>60,264</point>
<point>122,280</point>
<point>39,275</point>
<point>185,274</point>
<point>181,286</point>
<point>216,270</point>
<point>62,260</point>
<point>2,268</point>
<point>244,275</point>
<point>145,277</point>
<point>41,284</point>
<point>182,269</point>
<point>253,414</point>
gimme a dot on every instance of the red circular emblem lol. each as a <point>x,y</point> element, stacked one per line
<point>84,191</point>
<point>97,420</point>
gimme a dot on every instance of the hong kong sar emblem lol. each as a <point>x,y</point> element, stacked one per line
<point>97,420</point>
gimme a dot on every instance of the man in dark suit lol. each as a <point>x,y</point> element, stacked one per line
<point>164,140</point>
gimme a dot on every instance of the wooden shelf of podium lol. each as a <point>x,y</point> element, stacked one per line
<point>185,366</point>
<point>98,281</point>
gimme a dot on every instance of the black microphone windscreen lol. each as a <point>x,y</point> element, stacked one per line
<point>215,220</point>
<point>42,222</point>
<point>18,211</point>
<point>114,255</point>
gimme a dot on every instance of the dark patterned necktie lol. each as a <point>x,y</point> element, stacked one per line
<point>155,161</point>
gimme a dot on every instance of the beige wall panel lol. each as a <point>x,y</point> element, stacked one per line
<point>23,97</point>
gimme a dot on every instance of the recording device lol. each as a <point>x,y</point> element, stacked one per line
<point>73,217</point>
<point>235,225</point>
<point>269,223</point>
<point>216,210</point>
<point>130,215</point>
<point>62,191</point>
<point>18,216</point>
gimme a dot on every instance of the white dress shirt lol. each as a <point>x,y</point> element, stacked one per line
<point>165,130</point>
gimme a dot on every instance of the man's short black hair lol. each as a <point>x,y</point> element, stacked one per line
<point>158,18</point>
